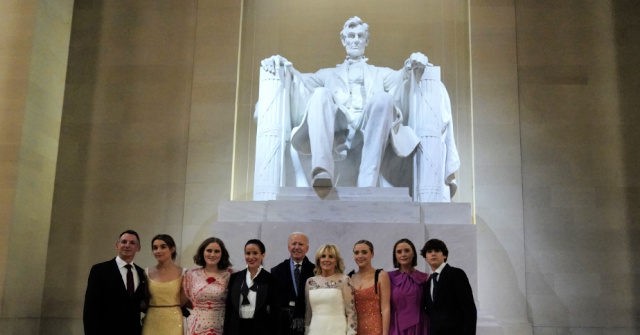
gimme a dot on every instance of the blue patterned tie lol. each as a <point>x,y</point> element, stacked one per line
<point>296,276</point>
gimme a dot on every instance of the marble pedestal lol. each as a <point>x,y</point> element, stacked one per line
<point>343,216</point>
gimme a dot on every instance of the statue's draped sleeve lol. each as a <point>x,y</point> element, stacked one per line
<point>281,99</point>
<point>426,101</point>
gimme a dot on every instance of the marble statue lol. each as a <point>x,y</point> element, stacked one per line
<point>398,121</point>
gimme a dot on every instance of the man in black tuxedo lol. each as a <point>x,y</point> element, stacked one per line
<point>448,297</point>
<point>116,292</point>
<point>292,274</point>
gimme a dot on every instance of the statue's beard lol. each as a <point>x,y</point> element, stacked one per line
<point>353,53</point>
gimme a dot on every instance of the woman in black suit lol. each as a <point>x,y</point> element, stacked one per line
<point>252,300</point>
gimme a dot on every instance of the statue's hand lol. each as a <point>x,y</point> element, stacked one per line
<point>417,60</point>
<point>275,62</point>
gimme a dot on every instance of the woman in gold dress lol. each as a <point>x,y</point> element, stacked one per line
<point>164,316</point>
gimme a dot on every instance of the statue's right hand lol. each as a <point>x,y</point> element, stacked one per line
<point>275,62</point>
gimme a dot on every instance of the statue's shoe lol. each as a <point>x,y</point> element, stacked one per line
<point>322,179</point>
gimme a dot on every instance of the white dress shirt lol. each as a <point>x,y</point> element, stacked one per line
<point>123,272</point>
<point>246,311</point>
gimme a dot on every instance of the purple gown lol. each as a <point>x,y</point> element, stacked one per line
<point>407,316</point>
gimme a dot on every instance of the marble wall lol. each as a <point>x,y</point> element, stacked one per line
<point>33,63</point>
<point>497,165</point>
<point>578,119</point>
<point>148,140</point>
<point>123,144</point>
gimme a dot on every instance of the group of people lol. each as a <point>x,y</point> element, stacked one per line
<point>296,297</point>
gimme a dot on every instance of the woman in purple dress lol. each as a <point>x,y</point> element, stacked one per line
<point>407,284</point>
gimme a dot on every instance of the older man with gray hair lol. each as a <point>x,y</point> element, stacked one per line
<point>292,274</point>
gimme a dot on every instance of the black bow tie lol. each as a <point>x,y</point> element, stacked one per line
<point>245,292</point>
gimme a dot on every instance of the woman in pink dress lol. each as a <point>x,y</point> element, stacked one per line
<point>407,285</point>
<point>371,292</point>
<point>206,288</point>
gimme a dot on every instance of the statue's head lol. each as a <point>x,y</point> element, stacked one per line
<point>355,37</point>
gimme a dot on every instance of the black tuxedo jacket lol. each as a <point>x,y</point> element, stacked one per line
<point>108,308</point>
<point>266,311</point>
<point>282,273</point>
<point>452,310</point>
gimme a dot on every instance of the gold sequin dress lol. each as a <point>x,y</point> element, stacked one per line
<point>164,316</point>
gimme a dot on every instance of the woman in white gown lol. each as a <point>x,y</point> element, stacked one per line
<point>330,303</point>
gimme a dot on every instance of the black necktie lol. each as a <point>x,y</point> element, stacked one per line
<point>296,274</point>
<point>433,278</point>
<point>129,279</point>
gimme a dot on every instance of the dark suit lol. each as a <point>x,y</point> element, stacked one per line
<point>287,293</point>
<point>108,308</point>
<point>452,310</point>
<point>266,310</point>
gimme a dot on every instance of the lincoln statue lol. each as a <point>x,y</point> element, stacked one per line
<point>397,121</point>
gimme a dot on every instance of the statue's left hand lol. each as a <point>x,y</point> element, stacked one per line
<point>416,60</point>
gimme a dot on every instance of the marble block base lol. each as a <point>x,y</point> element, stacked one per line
<point>400,194</point>
<point>386,216</point>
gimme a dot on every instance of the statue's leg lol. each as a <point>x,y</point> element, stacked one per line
<point>378,115</point>
<point>321,115</point>
<point>296,161</point>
